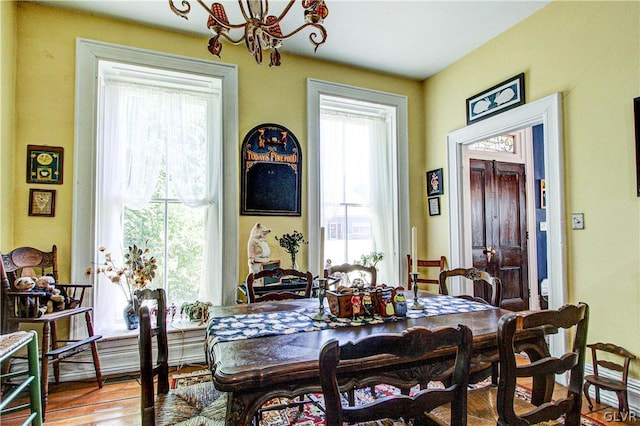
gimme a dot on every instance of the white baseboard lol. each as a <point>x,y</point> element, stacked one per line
<point>610,398</point>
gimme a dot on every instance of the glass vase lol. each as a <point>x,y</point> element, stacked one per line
<point>294,263</point>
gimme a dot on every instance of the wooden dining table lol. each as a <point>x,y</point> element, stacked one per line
<point>256,370</point>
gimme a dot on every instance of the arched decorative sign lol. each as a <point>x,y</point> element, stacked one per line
<point>271,172</point>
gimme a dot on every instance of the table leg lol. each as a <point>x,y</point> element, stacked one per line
<point>239,411</point>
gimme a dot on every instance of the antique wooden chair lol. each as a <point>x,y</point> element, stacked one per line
<point>282,291</point>
<point>31,262</point>
<point>288,288</point>
<point>163,406</point>
<point>368,274</point>
<point>489,287</point>
<point>493,288</point>
<point>618,360</point>
<point>410,347</point>
<point>423,264</point>
<point>489,405</point>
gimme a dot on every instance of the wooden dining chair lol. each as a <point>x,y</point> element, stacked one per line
<point>618,361</point>
<point>280,291</point>
<point>410,347</point>
<point>21,308</point>
<point>490,288</point>
<point>489,405</point>
<point>423,265</point>
<point>199,403</point>
<point>353,271</point>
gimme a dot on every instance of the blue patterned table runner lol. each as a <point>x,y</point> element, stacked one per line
<point>246,326</point>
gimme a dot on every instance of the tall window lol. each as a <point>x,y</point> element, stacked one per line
<point>361,176</point>
<point>160,138</point>
<point>352,136</point>
<point>151,167</point>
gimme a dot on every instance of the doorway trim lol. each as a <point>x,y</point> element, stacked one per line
<point>548,112</point>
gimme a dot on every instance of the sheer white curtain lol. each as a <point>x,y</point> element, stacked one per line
<point>140,123</point>
<point>357,169</point>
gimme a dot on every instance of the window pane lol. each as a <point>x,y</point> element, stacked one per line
<point>147,225</point>
<point>185,256</point>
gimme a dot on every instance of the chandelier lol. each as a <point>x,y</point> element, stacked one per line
<point>261,30</point>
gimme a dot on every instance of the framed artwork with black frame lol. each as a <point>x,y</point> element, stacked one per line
<point>45,164</point>
<point>434,182</point>
<point>499,98</point>
<point>636,112</point>
<point>42,202</point>
<point>434,206</point>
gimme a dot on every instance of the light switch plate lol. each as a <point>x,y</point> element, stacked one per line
<point>543,226</point>
<point>577,221</point>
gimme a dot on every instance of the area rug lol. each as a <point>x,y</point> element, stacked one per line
<point>311,415</point>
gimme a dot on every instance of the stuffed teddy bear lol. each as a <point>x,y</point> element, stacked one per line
<point>258,250</point>
<point>54,300</point>
<point>27,306</point>
<point>60,299</point>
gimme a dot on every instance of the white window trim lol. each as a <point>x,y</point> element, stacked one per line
<point>316,88</point>
<point>88,53</point>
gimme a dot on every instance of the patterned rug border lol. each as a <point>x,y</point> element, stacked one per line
<point>311,413</point>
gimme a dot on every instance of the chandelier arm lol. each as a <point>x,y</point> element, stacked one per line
<point>321,32</point>
<point>244,13</point>
<point>180,12</point>
<point>312,36</point>
<point>231,40</point>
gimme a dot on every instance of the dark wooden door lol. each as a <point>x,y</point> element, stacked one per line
<point>499,228</point>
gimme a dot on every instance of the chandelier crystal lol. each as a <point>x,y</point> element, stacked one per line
<point>260,31</point>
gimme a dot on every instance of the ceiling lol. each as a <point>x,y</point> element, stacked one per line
<point>413,39</point>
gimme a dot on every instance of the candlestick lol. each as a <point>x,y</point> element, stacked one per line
<point>321,254</point>
<point>414,245</point>
<point>416,305</point>
<point>322,288</point>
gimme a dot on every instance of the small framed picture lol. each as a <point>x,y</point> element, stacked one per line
<point>434,206</point>
<point>44,164</point>
<point>434,182</point>
<point>42,202</point>
<point>501,97</point>
<point>543,194</point>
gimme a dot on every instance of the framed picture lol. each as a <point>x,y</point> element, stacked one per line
<point>434,206</point>
<point>636,112</point>
<point>271,177</point>
<point>44,164</point>
<point>434,182</point>
<point>543,194</point>
<point>501,97</point>
<point>42,202</point>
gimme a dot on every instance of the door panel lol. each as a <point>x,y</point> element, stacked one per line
<point>499,227</point>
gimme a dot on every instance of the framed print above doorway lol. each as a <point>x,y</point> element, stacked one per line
<point>501,97</point>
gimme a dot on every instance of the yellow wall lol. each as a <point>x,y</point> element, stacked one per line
<point>45,104</point>
<point>590,52</point>
<point>7,119</point>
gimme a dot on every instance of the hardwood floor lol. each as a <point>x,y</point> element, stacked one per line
<point>118,403</point>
